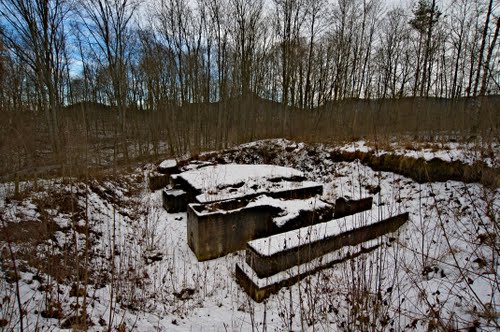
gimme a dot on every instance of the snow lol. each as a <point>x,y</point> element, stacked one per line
<point>309,266</point>
<point>467,153</point>
<point>356,146</point>
<point>253,187</point>
<point>292,239</point>
<point>210,177</point>
<point>175,192</point>
<point>291,208</point>
<point>169,163</point>
<point>231,181</point>
<point>442,269</point>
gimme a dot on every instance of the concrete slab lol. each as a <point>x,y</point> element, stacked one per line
<point>273,254</point>
<point>219,228</point>
<point>158,181</point>
<point>214,183</point>
<point>345,207</point>
<point>215,234</point>
<point>174,200</point>
<point>261,288</point>
<point>168,166</point>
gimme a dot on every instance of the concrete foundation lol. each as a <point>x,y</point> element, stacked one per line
<point>275,262</point>
<point>345,207</point>
<point>161,177</point>
<point>212,235</point>
<point>158,181</point>
<point>260,289</point>
<point>201,186</point>
<point>217,229</point>
<point>228,225</point>
<point>168,167</point>
<point>174,200</point>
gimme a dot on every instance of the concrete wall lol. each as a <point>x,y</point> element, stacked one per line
<point>258,294</point>
<point>158,181</point>
<point>265,266</point>
<point>306,218</point>
<point>232,225</point>
<point>180,183</point>
<point>174,201</point>
<point>216,234</point>
<point>345,207</point>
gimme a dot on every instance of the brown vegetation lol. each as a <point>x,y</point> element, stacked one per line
<point>90,141</point>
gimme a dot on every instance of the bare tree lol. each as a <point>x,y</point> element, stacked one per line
<point>289,19</point>
<point>426,16</point>
<point>35,33</point>
<point>315,15</point>
<point>246,34</point>
<point>460,25</point>
<point>219,30</point>
<point>108,24</point>
<point>488,69</point>
<point>394,36</point>
<point>483,46</point>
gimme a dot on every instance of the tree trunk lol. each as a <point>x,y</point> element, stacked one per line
<point>483,45</point>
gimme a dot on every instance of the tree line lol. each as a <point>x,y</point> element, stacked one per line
<point>146,55</point>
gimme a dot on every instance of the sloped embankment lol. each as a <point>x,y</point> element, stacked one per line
<point>421,170</point>
<point>283,152</point>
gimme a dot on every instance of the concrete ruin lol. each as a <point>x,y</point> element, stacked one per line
<point>268,267</point>
<point>273,254</point>
<point>161,177</point>
<point>261,288</point>
<point>344,207</point>
<point>220,228</point>
<point>174,200</point>
<point>213,183</point>
<point>276,216</point>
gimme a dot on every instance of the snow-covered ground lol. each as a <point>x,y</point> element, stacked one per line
<point>467,153</point>
<point>136,272</point>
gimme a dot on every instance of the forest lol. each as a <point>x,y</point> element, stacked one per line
<point>234,63</point>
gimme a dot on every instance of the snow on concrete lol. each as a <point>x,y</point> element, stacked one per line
<point>168,163</point>
<point>291,208</point>
<point>210,177</point>
<point>319,262</point>
<point>273,244</point>
<point>252,187</point>
<point>175,192</point>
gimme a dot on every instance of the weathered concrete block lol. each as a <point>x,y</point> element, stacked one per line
<point>168,167</point>
<point>216,183</point>
<point>174,200</point>
<point>158,181</point>
<point>219,228</point>
<point>212,235</point>
<point>261,288</point>
<point>345,207</point>
<point>271,255</point>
